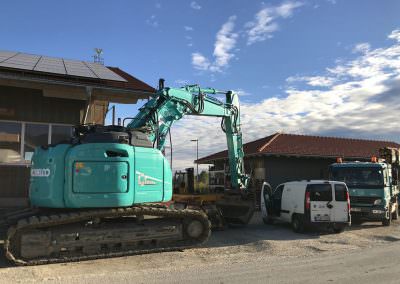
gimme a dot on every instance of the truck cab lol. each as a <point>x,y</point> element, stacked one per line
<point>373,189</point>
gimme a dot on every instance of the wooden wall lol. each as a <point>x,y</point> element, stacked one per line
<point>22,104</point>
<point>284,169</point>
<point>14,186</point>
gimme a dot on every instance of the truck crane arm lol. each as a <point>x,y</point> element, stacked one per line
<point>169,105</point>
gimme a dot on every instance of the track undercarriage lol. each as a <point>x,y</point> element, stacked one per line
<point>103,233</point>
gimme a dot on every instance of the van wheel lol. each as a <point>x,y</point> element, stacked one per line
<point>297,224</point>
<point>395,214</point>
<point>388,221</point>
<point>337,229</point>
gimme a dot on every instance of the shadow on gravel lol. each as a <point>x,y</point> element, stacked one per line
<point>257,231</point>
<point>388,238</point>
<point>363,225</point>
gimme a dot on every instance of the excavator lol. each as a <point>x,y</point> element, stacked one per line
<point>102,193</point>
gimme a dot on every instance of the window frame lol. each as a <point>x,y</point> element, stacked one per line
<point>281,188</point>
<point>24,162</point>
<point>344,192</point>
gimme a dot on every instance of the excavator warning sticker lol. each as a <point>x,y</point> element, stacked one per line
<point>146,180</point>
<point>40,172</point>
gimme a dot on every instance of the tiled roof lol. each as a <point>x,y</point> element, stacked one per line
<point>305,145</point>
<point>131,82</point>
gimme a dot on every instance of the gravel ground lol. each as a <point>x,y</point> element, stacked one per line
<point>239,245</point>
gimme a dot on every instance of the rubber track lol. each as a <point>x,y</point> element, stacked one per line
<point>46,221</point>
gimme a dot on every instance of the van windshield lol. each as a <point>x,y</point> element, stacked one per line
<point>358,177</point>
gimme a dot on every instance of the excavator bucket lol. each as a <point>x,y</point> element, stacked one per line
<point>236,209</point>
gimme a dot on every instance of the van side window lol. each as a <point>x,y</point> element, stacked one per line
<point>320,192</point>
<point>340,192</point>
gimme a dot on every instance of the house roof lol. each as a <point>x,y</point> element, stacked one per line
<point>308,146</point>
<point>131,82</point>
<point>113,82</point>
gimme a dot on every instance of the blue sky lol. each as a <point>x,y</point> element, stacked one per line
<point>306,66</point>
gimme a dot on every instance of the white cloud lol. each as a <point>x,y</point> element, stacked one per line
<point>395,35</point>
<point>264,24</point>
<point>361,47</point>
<point>260,29</point>
<point>223,49</point>
<point>181,82</point>
<point>360,99</point>
<point>200,62</point>
<point>152,21</point>
<point>242,93</point>
<point>194,5</point>
<point>188,28</point>
<point>315,81</point>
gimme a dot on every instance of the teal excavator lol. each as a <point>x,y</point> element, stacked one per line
<point>101,194</point>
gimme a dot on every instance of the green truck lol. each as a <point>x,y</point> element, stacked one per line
<point>373,186</point>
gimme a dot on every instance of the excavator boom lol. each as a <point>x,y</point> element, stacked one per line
<point>169,105</point>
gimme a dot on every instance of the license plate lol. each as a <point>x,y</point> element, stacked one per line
<point>355,209</point>
<point>322,218</point>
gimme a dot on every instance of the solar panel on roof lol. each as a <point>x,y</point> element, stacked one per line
<point>24,61</point>
<point>4,55</point>
<point>103,72</point>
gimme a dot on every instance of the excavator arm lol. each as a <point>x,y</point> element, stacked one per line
<point>169,105</point>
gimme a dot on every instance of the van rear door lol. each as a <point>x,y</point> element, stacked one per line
<point>340,207</point>
<point>320,202</point>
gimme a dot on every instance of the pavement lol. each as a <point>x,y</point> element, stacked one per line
<point>257,253</point>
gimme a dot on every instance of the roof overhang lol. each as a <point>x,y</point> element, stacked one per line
<point>253,155</point>
<point>77,90</point>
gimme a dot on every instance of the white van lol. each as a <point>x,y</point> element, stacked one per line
<point>305,203</point>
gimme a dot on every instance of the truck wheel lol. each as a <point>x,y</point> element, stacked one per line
<point>388,221</point>
<point>297,224</point>
<point>395,214</point>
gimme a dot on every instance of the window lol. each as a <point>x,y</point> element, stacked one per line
<point>35,135</point>
<point>60,133</point>
<point>278,192</point>
<point>10,142</point>
<point>340,192</point>
<point>320,192</point>
<point>18,140</point>
<point>359,177</point>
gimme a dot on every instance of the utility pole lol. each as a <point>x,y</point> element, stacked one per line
<point>197,157</point>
